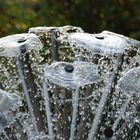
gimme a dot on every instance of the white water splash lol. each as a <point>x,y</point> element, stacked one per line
<point>8,101</point>
<point>130,82</point>
<point>11,45</point>
<point>107,43</point>
<point>84,73</point>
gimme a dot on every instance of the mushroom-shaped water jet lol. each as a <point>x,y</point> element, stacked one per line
<point>129,83</point>
<point>71,76</point>
<point>104,43</point>
<point>130,80</point>
<point>8,102</point>
<point>14,45</point>
<point>17,46</point>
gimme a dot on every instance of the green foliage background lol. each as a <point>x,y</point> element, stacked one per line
<point>120,16</point>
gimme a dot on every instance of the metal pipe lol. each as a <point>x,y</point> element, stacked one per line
<point>103,100</point>
<point>48,110</point>
<point>76,99</point>
<point>26,93</point>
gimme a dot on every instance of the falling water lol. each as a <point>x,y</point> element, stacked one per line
<point>101,91</point>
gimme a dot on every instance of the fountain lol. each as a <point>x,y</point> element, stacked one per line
<point>76,85</point>
<point>72,76</point>
<point>8,101</point>
<point>13,46</point>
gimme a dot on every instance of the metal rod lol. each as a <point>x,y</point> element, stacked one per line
<point>103,100</point>
<point>122,110</point>
<point>48,110</point>
<point>26,93</point>
<point>67,114</point>
<point>85,107</point>
<point>54,46</point>
<point>31,87</point>
<point>1,86</point>
<point>74,114</point>
<point>55,57</point>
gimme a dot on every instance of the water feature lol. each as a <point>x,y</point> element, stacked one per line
<point>73,75</point>
<point>13,46</point>
<point>76,85</point>
<point>8,102</point>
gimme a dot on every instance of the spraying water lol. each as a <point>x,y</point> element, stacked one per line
<point>96,105</point>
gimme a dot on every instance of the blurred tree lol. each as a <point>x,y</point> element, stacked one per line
<point>121,16</point>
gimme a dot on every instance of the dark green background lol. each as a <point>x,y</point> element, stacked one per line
<point>120,16</point>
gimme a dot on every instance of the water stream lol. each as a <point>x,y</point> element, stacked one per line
<point>96,98</point>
